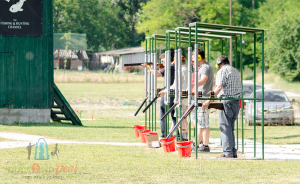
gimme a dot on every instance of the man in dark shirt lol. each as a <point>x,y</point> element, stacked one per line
<point>161,73</point>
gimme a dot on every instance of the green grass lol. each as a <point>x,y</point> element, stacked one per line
<point>116,164</point>
<point>2,139</point>
<point>114,121</point>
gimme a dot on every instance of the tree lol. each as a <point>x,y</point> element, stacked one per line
<point>129,14</point>
<point>283,37</point>
<point>158,16</point>
<point>98,19</point>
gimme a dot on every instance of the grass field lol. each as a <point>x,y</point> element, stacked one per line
<point>120,164</point>
<point>116,164</point>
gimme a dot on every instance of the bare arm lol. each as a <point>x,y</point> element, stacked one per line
<point>202,81</point>
<point>158,74</point>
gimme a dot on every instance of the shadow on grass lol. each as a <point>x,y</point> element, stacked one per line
<point>54,124</point>
<point>286,137</point>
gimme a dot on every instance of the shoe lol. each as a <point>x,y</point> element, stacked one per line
<point>193,147</point>
<point>234,156</point>
<point>203,148</point>
<point>224,156</point>
<point>179,139</point>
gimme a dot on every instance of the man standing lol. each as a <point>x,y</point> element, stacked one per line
<point>228,85</point>
<point>205,83</point>
<point>161,73</point>
<point>29,149</point>
<point>184,76</point>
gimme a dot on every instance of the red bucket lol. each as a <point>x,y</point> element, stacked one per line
<point>147,134</point>
<point>137,129</point>
<point>141,133</point>
<point>168,144</point>
<point>184,148</point>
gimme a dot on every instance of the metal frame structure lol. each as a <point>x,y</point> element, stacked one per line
<point>236,31</point>
<point>211,31</point>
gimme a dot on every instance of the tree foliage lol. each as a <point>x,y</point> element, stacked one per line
<point>108,24</point>
<point>158,16</point>
<point>283,37</point>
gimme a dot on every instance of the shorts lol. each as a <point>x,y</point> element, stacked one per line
<point>184,107</point>
<point>202,117</point>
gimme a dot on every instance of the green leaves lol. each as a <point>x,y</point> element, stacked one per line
<point>283,38</point>
<point>98,19</point>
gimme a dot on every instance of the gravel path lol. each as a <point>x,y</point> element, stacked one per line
<point>272,152</point>
<point>23,140</point>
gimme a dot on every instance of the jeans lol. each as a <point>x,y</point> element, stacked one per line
<point>162,113</point>
<point>227,120</point>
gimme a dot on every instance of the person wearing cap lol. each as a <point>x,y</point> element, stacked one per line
<point>228,85</point>
<point>184,77</point>
<point>161,73</point>
<point>205,85</point>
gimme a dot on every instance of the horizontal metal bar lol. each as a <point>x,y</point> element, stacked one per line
<point>212,30</point>
<point>201,34</point>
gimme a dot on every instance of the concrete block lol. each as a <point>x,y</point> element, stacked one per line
<point>7,121</point>
<point>9,116</point>
<point>4,112</point>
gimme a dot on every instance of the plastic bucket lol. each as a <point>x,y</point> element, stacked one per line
<point>147,134</point>
<point>168,144</point>
<point>142,137</point>
<point>137,129</point>
<point>184,148</point>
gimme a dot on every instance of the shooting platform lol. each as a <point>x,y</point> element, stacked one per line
<point>201,34</point>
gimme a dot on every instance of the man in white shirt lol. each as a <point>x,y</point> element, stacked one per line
<point>184,77</point>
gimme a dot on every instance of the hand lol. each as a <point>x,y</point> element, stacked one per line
<point>193,90</point>
<point>160,66</point>
<point>206,104</point>
<point>144,65</point>
<point>162,93</point>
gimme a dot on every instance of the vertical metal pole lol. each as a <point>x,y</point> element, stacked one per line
<point>241,67</point>
<point>150,81</point>
<point>237,120</point>
<point>155,80</point>
<point>263,95</point>
<point>153,92</point>
<point>226,47</point>
<point>176,79</point>
<point>146,80</point>
<point>169,79</point>
<point>165,85</point>
<point>230,17</point>
<point>180,87</point>
<point>222,46</point>
<point>207,52</point>
<point>180,81</point>
<point>169,83</point>
<point>196,89</point>
<point>254,61</point>
<point>189,78</point>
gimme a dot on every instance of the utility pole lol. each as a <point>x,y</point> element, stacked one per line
<point>230,57</point>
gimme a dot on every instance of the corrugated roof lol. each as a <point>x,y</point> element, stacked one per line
<point>118,52</point>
